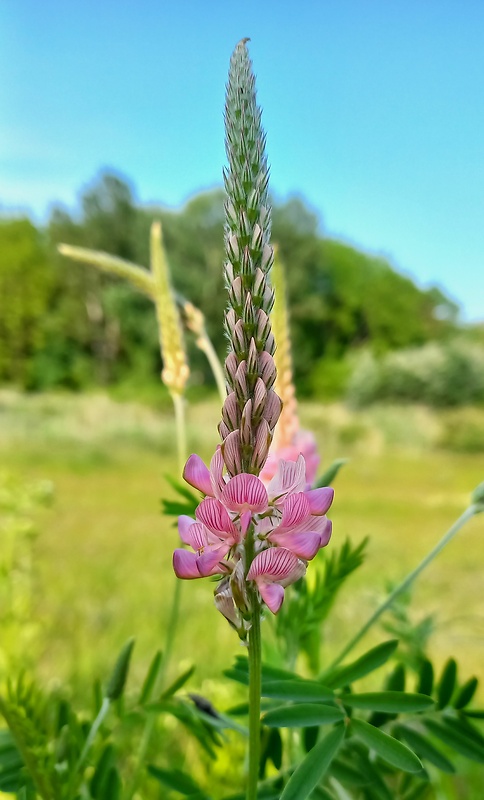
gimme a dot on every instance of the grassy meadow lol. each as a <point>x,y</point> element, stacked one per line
<point>102,559</point>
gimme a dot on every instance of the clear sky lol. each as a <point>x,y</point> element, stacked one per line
<point>374,111</point>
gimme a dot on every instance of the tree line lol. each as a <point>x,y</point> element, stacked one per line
<point>65,325</point>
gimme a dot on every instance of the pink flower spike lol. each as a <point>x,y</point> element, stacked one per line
<point>289,478</point>
<point>320,500</point>
<point>198,475</point>
<point>214,516</point>
<point>303,545</point>
<point>185,564</point>
<point>245,493</point>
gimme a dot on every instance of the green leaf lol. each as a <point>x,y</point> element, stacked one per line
<point>302,715</point>
<point>101,773</point>
<point>370,661</point>
<point>297,690</point>
<point>314,766</point>
<point>426,678</point>
<point>150,680</point>
<point>476,713</point>
<point>328,477</point>
<point>112,790</point>
<point>388,748</point>
<point>392,702</point>
<point>456,740</point>
<point>466,693</point>
<point>182,490</point>
<point>178,683</point>
<point>117,681</point>
<point>418,792</point>
<point>309,738</point>
<point>347,774</point>
<point>446,685</point>
<point>175,779</point>
<point>425,749</point>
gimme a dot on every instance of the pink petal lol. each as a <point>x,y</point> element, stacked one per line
<point>213,514</point>
<point>185,564</point>
<point>197,474</point>
<point>272,595</point>
<point>312,524</point>
<point>276,564</point>
<point>184,525</point>
<point>320,500</point>
<point>209,562</point>
<point>216,473</point>
<point>289,478</point>
<point>325,535</point>
<point>295,509</point>
<point>245,520</point>
<point>244,492</point>
<point>303,545</point>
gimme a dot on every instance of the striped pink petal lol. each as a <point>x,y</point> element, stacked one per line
<point>303,545</point>
<point>290,477</point>
<point>320,500</point>
<point>216,473</point>
<point>245,493</point>
<point>272,595</point>
<point>295,509</point>
<point>276,564</point>
<point>197,474</point>
<point>213,514</point>
<point>185,564</point>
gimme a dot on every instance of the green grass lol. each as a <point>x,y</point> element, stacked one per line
<point>103,558</point>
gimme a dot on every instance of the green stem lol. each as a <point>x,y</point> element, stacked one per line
<point>90,739</point>
<point>407,582</point>
<point>181,439</point>
<point>204,343</point>
<point>254,701</point>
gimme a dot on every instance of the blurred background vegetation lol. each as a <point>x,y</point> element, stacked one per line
<point>361,330</point>
<point>388,376</point>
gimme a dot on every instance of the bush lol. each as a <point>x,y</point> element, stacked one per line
<point>436,374</point>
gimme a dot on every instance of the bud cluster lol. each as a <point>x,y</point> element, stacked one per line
<point>252,407</point>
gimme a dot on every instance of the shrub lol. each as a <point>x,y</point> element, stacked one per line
<point>436,374</point>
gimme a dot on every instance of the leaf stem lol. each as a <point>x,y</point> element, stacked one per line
<point>407,582</point>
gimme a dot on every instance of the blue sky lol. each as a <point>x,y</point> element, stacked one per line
<point>374,111</point>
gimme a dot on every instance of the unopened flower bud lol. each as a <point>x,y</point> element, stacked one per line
<point>230,411</point>
<point>231,451</point>
<point>263,439</point>
<point>260,395</point>
<point>246,424</point>
<point>267,369</point>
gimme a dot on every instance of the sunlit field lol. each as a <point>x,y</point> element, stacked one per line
<point>102,560</point>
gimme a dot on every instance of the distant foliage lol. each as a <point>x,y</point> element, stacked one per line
<point>65,324</point>
<point>438,374</point>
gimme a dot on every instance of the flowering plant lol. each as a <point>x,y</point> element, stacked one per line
<point>261,519</point>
